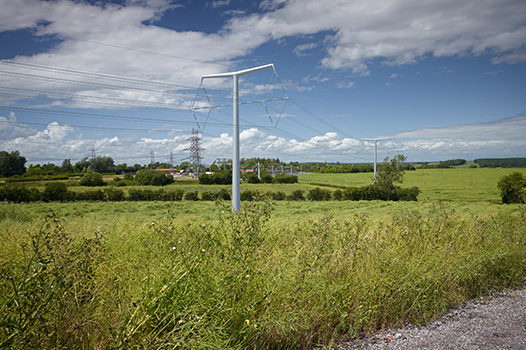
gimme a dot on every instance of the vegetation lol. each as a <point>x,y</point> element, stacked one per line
<point>242,280</point>
<point>12,163</point>
<point>501,162</point>
<point>154,178</point>
<point>512,188</point>
<point>456,162</point>
<point>92,179</point>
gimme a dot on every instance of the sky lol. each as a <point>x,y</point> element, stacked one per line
<point>438,79</point>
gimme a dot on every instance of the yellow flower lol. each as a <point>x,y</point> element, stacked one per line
<point>247,322</point>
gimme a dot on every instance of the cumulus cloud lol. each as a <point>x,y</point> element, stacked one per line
<point>92,37</point>
<point>400,32</point>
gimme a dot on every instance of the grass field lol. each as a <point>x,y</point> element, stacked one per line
<point>193,275</point>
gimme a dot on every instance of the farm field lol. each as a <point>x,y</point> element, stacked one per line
<point>291,274</point>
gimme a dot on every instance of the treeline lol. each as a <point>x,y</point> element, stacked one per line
<point>350,168</point>
<point>225,178</point>
<point>501,162</point>
<point>59,192</point>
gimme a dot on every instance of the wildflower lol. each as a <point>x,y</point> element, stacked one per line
<point>203,250</point>
<point>153,222</point>
<point>248,276</point>
<point>173,248</point>
<point>247,322</point>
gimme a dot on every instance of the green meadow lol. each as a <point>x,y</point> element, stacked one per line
<point>276,275</point>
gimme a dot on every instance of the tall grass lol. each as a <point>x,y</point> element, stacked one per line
<point>247,279</point>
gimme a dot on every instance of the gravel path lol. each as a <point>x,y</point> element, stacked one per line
<point>495,322</point>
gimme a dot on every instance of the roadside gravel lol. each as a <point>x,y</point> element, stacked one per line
<point>497,321</point>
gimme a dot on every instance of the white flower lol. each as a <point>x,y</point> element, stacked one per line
<point>173,248</point>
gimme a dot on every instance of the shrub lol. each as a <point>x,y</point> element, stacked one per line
<point>266,178</point>
<point>248,195</point>
<point>91,196</point>
<point>191,196</point>
<point>337,195</point>
<point>285,178</point>
<point>152,177</point>
<point>218,178</point>
<point>277,196</point>
<point>512,188</point>
<point>128,177</point>
<point>319,194</point>
<point>297,195</point>
<point>19,194</point>
<point>136,194</point>
<point>177,195</point>
<point>56,192</point>
<point>114,195</point>
<point>253,178</point>
<point>207,196</point>
<point>92,179</point>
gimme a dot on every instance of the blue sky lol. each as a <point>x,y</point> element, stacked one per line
<point>441,79</point>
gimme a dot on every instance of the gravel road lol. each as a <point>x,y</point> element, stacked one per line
<point>495,322</point>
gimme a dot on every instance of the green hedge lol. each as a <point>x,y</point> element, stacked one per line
<point>59,192</point>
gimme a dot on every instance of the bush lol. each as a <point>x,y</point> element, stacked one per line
<point>266,178</point>
<point>191,196</point>
<point>91,196</point>
<point>218,178</point>
<point>277,196</point>
<point>248,195</point>
<point>152,177</point>
<point>114,195</point>
<point>92,179</point>
<point>136,194</point>
<point>56,192</point>
<point>222,194</point>
<point>285,178</point>
<point>19,194</point>
<point>337,195</point>
<point>253,178</point>
<point>318,194</point>
<point>512,188</point>
<point>296,195</point>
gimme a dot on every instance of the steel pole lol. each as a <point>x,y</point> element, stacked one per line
<point>375,151</point>
<point>236,195</point>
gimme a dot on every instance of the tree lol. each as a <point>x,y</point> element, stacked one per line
<point>512,188</point>
<point>66,166</point>
<point>82,165</point>
<point>92,179</point>
<point>103,164</point>
<point>12,163</point>
<point>389,172</point>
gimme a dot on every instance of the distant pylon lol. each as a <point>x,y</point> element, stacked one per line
<point>196,151</point>
<point>152,159</point>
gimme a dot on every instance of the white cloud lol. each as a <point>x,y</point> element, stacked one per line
<point>394,75</point>
<point>508,129</point>
<point>503,138</point>
<point>300,49</point>
<point>218,3</point>
<point>495,72</point>
<point>400,32</point>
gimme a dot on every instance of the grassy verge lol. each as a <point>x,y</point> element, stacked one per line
<point>246,280</point>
